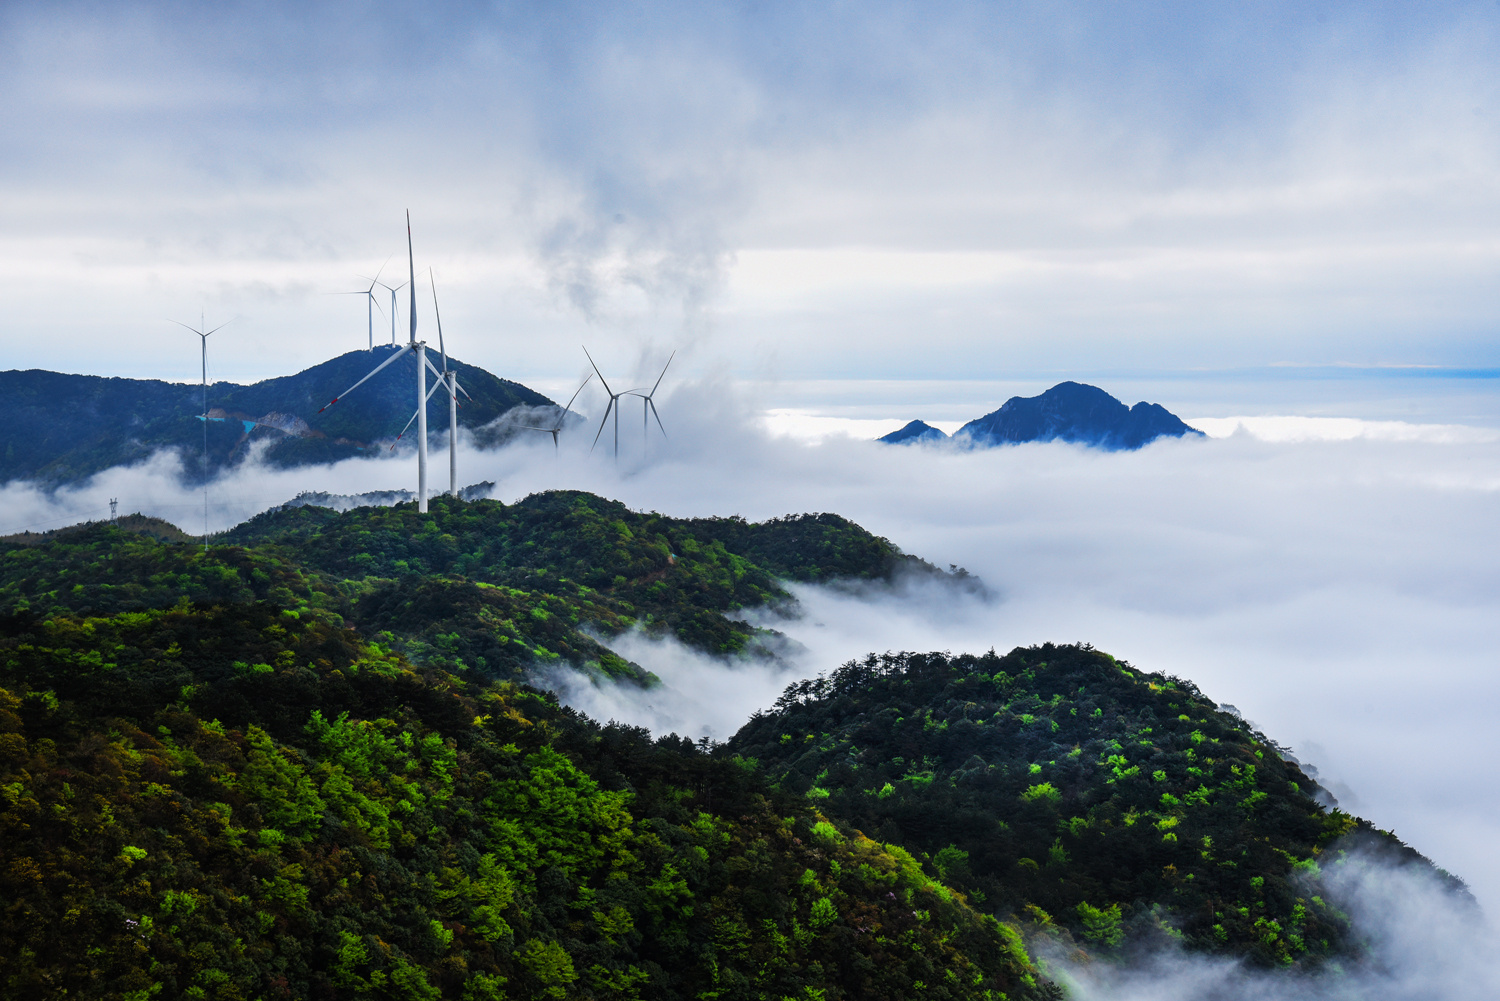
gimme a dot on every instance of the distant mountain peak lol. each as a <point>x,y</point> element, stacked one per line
<point>1075,412</point>
<point>914,432</point>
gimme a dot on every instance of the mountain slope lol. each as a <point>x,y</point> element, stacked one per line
<point>912,432</point>
<point>1074,412</point>
<point>60,428</point>
<point>1059,784</point>
<point>480,587</point>
<point>241,801</point>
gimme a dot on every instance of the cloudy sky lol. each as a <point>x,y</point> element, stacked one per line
<point>1148,194</point>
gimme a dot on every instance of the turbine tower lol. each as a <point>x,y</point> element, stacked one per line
<point>422,364</point>
<point>203,340</point>
<point>393,292</point>
<point>420,349</point>
<point>648,404</point>
<point>562,416</point>
<point>447,379</point>
<point>614,406</point>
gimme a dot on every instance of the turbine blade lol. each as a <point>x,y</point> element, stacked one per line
<point>411,261</point>
<point>598,373</point>
<point>444,351</point>
<point>663,374</point>
<point>434,370</point>
<point>603,422</point>
<point>376,280</point>
<point>575,394</point>
<point>404,430</point>
<point>404,348</point>
<point>652,403</point>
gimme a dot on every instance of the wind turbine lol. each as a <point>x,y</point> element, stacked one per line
<point>203,340</point>
<point>447,379</point>
<point>563,416</point>
<point>376,281</point>
<point>420,349</point>
<point>614,405</point>
<point>371,305</point>
<point>648,403</point>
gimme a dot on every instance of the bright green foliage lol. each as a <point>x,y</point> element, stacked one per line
<point>1153,800</point>
<point>1042,792</point>
<point>1101,925</point>
<point>549,965</point>
<point>344,826</point>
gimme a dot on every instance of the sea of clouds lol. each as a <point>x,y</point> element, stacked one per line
<point>1336,582</point>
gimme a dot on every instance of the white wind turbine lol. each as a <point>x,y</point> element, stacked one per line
<point>393,292</point>
<point>420,349</point>
<point>614,406</point>
<point>203,340</point>
<point>447,379</point>
<point>371,305</point>
<point>648,403</point>
<point>561,417</point>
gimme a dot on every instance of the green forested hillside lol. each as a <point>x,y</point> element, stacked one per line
<point>305,764</point>
<point>1063,786</point>
<point>479,587</point>
<point>245,801</point>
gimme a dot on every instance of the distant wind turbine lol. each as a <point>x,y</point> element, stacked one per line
<point>203,340</point>
<point>420,349</point>
<point>614,406</point>
<point>561,417</point>
<point>648,403</point>
<point>376,281</point>
<point>371,305</point>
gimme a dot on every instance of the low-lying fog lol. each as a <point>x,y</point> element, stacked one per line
<point>1339,585</point>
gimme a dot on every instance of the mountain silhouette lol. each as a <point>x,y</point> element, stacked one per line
<point>1074,412</point>
<point>912,433</point>
<point>57,428</point>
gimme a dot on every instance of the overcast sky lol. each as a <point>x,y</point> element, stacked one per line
<point>786,191</point>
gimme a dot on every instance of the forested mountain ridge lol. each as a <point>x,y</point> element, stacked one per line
<point>241,801</point>
<point>1092,799</point>
<point>59,428</point>
<point>481,587</point>
<point>304,763</point>
<point>221,776</point>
